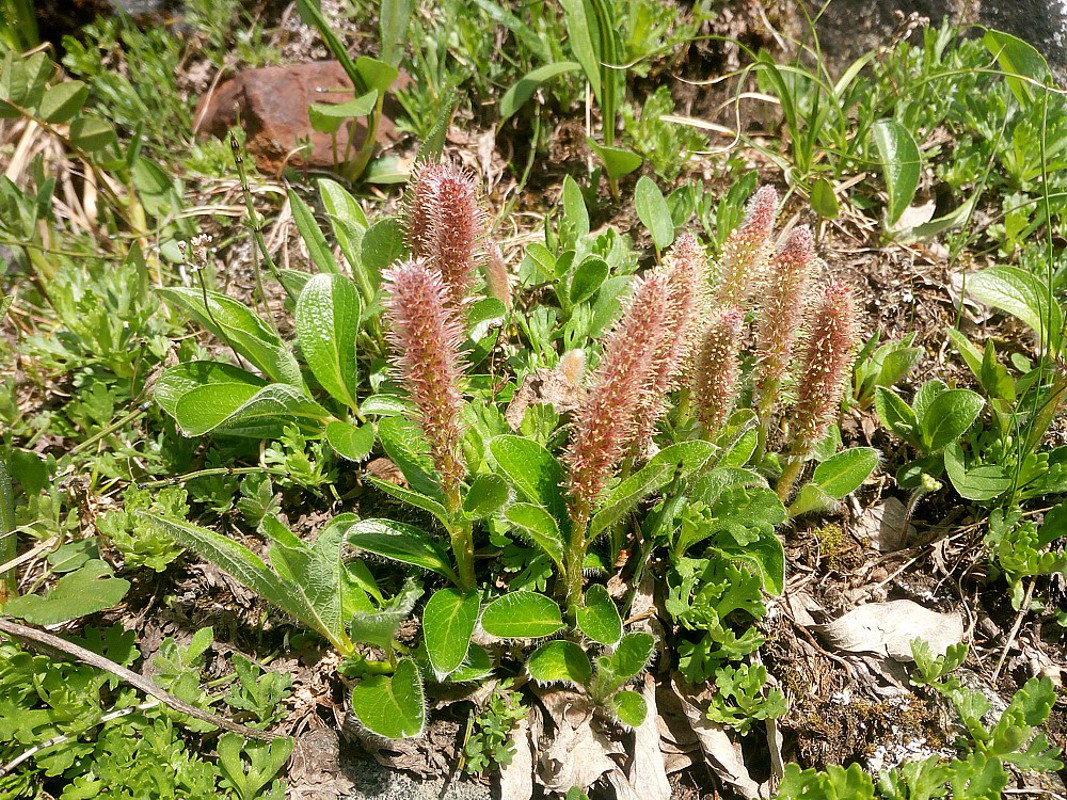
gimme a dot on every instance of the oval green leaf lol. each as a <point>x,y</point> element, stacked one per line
<point>653,211</point>
<point>901,165</point>
<point>401,542</point>
<point>522,615</point>
<point>948,417</point>
<point>845,472</point>
<point>560,661</point>
<point>447,624</point>
<point>350,441</point>
<point>599,618</point>
<point>392,706</point>
<point>630,708</point>
<point>327,323</point>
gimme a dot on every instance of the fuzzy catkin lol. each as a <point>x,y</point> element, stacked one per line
<point>686,271</point>
<point>825,365</point>
<point>782,308</point>
<point>745,252</point>
<point>425,338</point>
<point>716,369</point>
<point>445,224</point>
<point>605,427</point>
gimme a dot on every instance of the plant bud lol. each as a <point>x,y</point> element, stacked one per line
<point>445,224</point>
<point>825,365</point>
<point>425,338</point>
<point>716,369</point>
<point>744,254</point>
<point>605,426</point>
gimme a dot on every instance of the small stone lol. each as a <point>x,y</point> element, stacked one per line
<point>271,103</point>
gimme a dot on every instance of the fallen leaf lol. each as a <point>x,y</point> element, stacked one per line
<point>579,753</point>
<point>516,778</point>
<point>721,754</point>
<point>883,526</point>
<point>648,771</point>
<point>889,628</point>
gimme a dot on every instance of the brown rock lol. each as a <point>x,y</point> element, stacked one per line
<point>271,103</point>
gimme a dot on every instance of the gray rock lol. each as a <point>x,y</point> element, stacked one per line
<point>376,782</point>
<point>849,28</point>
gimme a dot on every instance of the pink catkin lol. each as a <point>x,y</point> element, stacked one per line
<point>605,426</point>
<point>716,369</point>
<point>686,270</point>
<point>425,338</point>
<point>745,252</point>
<point>446,225</point>
<point>825,365</point>
<point>782,308</point>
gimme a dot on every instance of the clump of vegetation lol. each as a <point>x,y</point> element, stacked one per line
<point>573,461</point>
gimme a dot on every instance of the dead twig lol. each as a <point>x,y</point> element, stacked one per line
<point>38,637</point>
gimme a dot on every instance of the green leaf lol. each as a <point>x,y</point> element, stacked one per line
<point>486,496</point>
<point>630,708</point>
<point>574,209</point>
<point>630,657</point>
<point>901,165</point>
<point>177,381</point>
<point>982,483</point>
<point>823,199</point>
<point>394,18</point>
<point>560,661</point>
<point>379,627</point>
<point>62,102</point>
<point>618,161</point>
<point>90,589</point>
<point>401,542</point>
<point>245,567</point>
<point>532,470</point>
<point>949,416</point>
<point>447,625</point>
<point>311,233</point>
<point>588,277</point>
<point>582,36</point>
<point>315,575</point>
<point>92,134</point>
<point>522,615</point>
<point>845,472</point>
<point>377,74</point>
<point>383,243</point>
<point>416,499</point>
<point>328,117</point>
<point>267,759</point>
<point>235,325</point>
<point>539,527</point>
<point>653,212</point>
<point>241,410</point>
<point>1025,296</point>
<point>405,445</point>
<point>388,171</point>
<point>350,441</point>
<point>599,618</point>
<point>327,323</point>
<point>1021,63</point>
<point>523,89</point>
<point>392,706</point>
<point>896,415</point>
<point>811,498</point>
<point>684,457</point>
